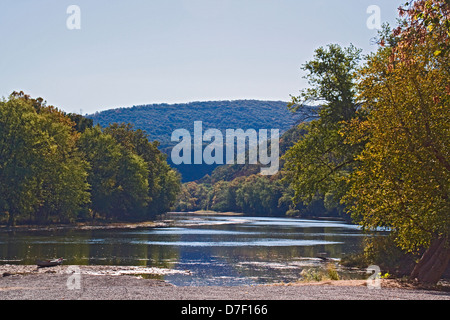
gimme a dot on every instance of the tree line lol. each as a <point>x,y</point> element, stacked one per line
<point>58,167</point>
<point>252,195</point>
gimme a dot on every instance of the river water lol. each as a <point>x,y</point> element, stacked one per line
<point>217,250</point>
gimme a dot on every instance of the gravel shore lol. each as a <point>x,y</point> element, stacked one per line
<point>118,283</point>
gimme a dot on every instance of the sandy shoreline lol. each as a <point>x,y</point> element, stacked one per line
<point>125,283</point>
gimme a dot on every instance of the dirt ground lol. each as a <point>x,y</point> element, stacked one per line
<point>126,283</point>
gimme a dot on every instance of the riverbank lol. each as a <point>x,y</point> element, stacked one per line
<point>100,225</point>
<point>127,283</point>
<point>211,213</point>
<point>87,226</point>
<point>103,225</point>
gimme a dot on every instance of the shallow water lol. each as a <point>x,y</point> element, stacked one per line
<point>217,250</point>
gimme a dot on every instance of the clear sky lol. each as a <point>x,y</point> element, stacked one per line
<point>131,52</point>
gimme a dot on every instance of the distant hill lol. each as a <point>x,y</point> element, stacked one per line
<point>160,120</point>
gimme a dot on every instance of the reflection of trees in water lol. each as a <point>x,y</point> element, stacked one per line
<point>137,253</point>
<point>27,247</point>
<point>85,247</point>
<point>130,247</point>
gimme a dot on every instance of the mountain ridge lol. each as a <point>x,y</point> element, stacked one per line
<point>160,120</point>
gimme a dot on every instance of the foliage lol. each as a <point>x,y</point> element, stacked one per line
<point>193,197</point>
<point>320,274</point>
<point>56,167</point>
<point>42,174</point>
<point>318,164</point>
<point>240,188</point>
<point>403,180</point>
<point>63,179</point>
<point>81,123</point>
<point>403,177</point>
<point>163,181</point>
<point>160,120</point>
<point>118,178</point>
<point>380,143</point>
<point>383,252</point>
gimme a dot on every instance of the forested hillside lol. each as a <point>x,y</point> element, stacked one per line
<point>160,120</point>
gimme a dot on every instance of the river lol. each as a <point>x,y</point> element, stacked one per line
<point>217,250</point>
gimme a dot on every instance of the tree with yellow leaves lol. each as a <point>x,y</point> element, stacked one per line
<point>403,178</point>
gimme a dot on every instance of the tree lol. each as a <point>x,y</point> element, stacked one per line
<point>163,182</point>
<point>22,151</point>
<point>224,196</point>
<point>63,177</point>
<point>42,175</point>
<point>130,198</point>
<point>170,187</point>
<point>81,123</point>
<point>403,178</point>
<point>118,177</point>
<point>192,197</point>
<point>103,155</point>
<point>320,161</point>
<point>57,167</point>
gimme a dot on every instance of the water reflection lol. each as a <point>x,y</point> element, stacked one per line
<point>258,243</point>
<point>225,250</point>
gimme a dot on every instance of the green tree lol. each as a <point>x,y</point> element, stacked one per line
<point>103,155</point>
<point>170,183</point>
<point>224,195</point>
<point>163,182</point>
<point>22,152</point>
<point>130,198</point>
<point>63,179</point>
<point>320,161</point>
<point>192,197</point>
<point>81,123</point>
<point>42,175</point>
<point>118,177</point>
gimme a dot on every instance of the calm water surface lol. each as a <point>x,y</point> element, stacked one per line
<point>218,250</point>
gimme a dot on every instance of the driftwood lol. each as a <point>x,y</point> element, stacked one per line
<point>49,263</point>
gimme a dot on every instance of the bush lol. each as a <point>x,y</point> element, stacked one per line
<point>320,274</point>
<point>382,251</point>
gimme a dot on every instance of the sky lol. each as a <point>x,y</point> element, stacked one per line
<point>134,52</point>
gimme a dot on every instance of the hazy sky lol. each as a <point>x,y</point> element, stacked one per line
<point>150,51</point>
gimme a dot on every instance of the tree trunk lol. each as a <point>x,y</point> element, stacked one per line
<point>433,262</point>
<point>11,219</point>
